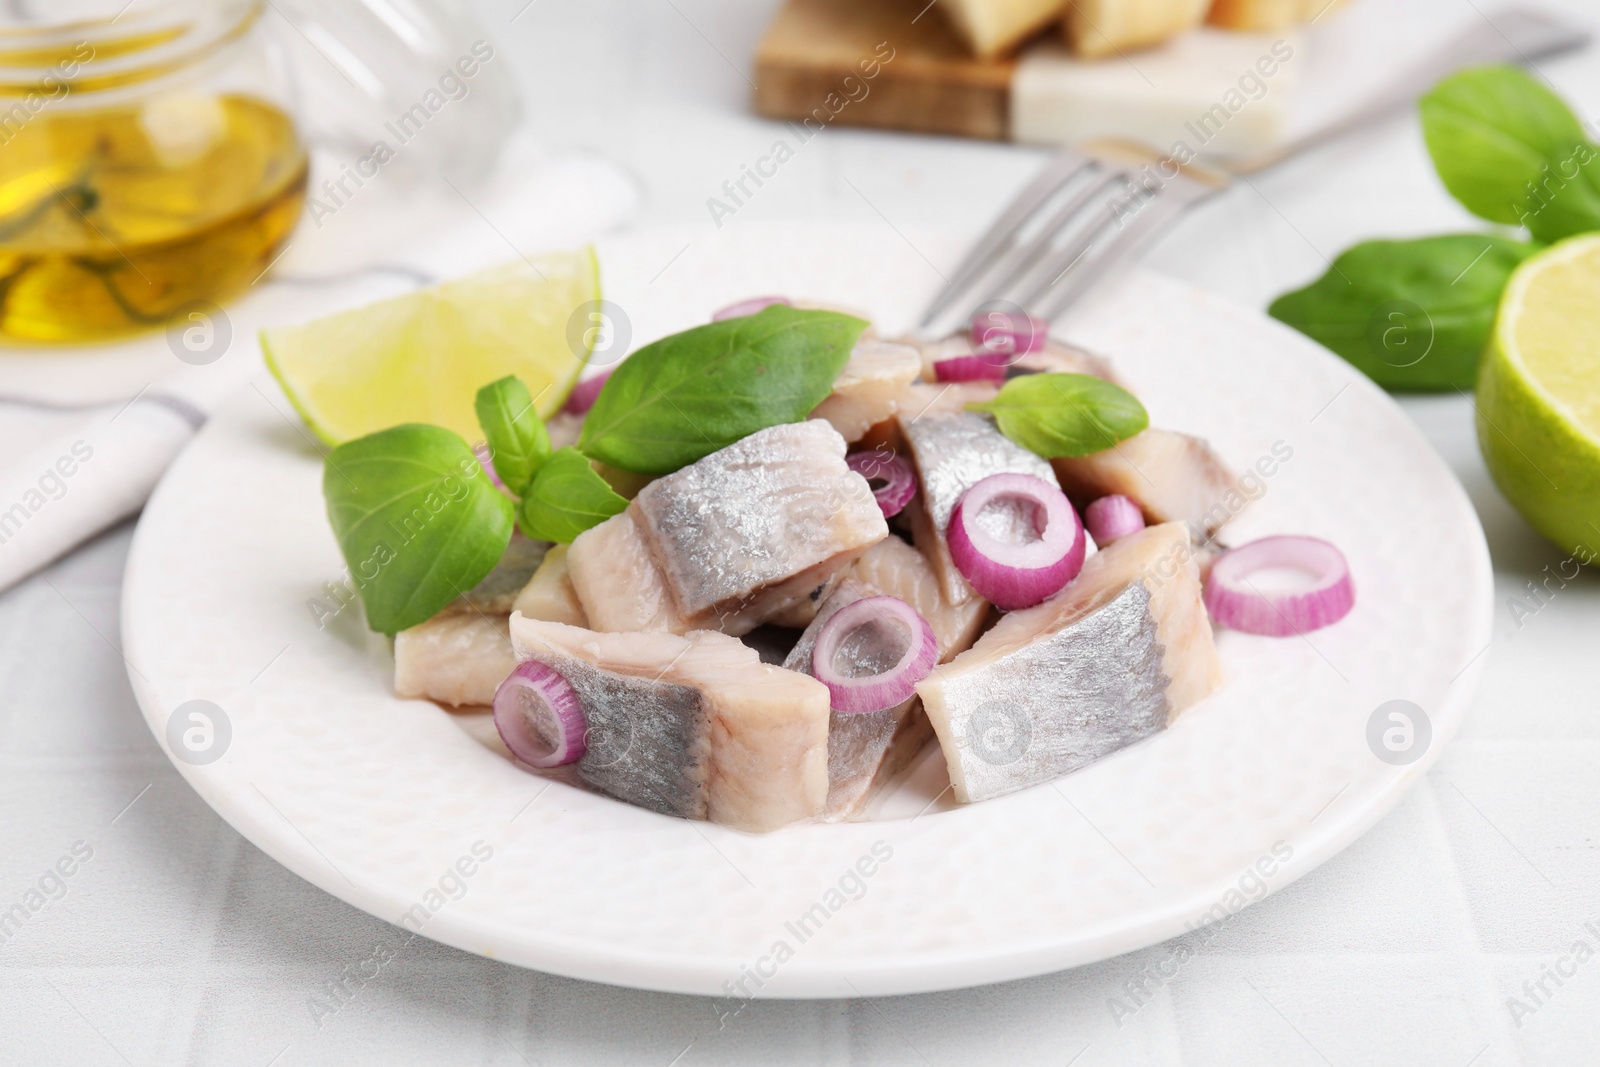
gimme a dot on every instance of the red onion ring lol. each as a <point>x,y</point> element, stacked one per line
<point>539,717</point>
<point>1112,517</point>
<point>1235,602</point>
<point>585,393</point>
<point>853,695</point>
<point>486,460</point>
<point>748,307</point>
<point>1012,575</point>
<point>1008,333</point>
<point>977,367</point>
<point>899,481</point>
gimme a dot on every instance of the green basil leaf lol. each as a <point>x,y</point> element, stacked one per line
<point>1065,414</point>
<point>1412,315</point>
<point>417,519</point>
<point>687,395</point>
<point>568,497</point>
<point>516,437</point>
<point>1511,151</point>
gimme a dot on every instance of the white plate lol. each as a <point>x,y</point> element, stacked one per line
<point>376,799</point>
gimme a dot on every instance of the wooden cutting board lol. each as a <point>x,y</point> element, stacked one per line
<point>814,63</point>
<point>896,64</point>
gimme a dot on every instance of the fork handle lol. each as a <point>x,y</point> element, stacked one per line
<point>1506,36</point>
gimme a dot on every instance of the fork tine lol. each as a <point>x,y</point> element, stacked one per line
<point>1021,263</point>
<point>1099,255</point>
<point>1056,173</point>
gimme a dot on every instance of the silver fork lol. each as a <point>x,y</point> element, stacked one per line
<point>1091,208</point>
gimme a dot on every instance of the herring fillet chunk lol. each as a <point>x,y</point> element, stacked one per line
<point>869,389</point>
<point>865,751</point>
<point>1171,476</point>
<point>744,535</point>
<point>1111,659</point>
<point>693,726</point>
<point>457,658</point>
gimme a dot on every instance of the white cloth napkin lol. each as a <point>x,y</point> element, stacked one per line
<point>88,432</point>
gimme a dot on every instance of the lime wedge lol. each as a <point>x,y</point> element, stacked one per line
<point>422,357</point>
<point>1539,394</point>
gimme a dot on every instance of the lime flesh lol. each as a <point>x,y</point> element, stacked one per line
<point>423,356</point>
<point>1539,395</point>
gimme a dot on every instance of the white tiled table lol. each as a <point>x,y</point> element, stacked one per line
<point>179,942</point>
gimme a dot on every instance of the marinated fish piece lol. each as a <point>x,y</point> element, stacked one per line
<point>499,588</point>
<point>869,389</point>
<point>459,657</point>
<point>549,594</point>
<point>615,576</point>
<point>953,451</point>
<point>733,540</point>
<point>865,751</point>
<point>799,614</point>
<point>1058,358</point>
<point>693,726</point>
<point>1171,476</point>
<point>1111,659</point>
<point>563,429</point>
<point>893,568</point>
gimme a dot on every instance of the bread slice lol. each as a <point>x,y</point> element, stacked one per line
<point>1096,28</point>
<point>992,27</point>
<point>1266,16</point>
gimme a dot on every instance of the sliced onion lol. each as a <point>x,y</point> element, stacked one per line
<point>976,367</point>
<point>486,460</point>
<point>585,393</point>
<point>899,482</point>
<point>539,717</point>
<point>1112,517</point>
<point>886,688</point>
<point>1009,574</point>
<point>1238,603</point>
<point>748,307</point>
<point>1008,333</point>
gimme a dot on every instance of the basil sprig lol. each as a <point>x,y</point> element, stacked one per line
<point>568,497</point>
<point>688,395</point>
<point>417,519</point>
<point>1512,152</point>
<point>1056,415</point>
<point>1412,315</point>
<point>419,522</point>
<point>518,443</point>
<point>1416,314</point>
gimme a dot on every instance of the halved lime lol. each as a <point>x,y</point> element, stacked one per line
<point>422,357</point>
<point>1539,394</point>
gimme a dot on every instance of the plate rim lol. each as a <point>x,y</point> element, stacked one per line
<point>949,967</point>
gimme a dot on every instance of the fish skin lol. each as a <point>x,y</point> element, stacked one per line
<point>751,531</point>
<point>869,389</point>
<point>865,751</point>
<point>694,726</point>
<point>549,594</point>
<point>1113,658</point>
<point>858,745</point>
<point>953,451</point>
<point>1171,476</point>
<point>498,589</point>
<point>457,658</point>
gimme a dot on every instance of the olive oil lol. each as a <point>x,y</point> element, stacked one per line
<point>113,218</point>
